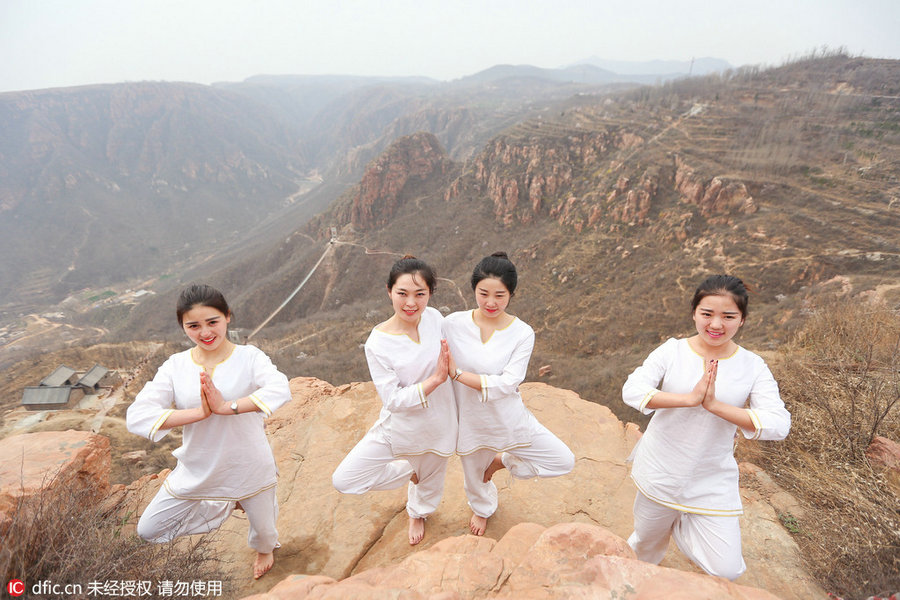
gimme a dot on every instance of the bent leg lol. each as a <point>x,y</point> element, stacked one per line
<point>713,543</point>
<point>168,517</point>
<point>547,456</point>
<point>369,466</point>
<point>653,525</point>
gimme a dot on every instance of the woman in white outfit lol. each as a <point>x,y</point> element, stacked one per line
<point>416,430</point>
<point>684,468</point>
<point>220,393</point>
<point>489,354</point>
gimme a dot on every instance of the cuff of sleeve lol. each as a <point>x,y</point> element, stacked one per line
<point>262,405</point>
<point>757,431</point>
<point>646,401</point>
<point>159,423</point>
<point>484,388</point>
<point>423,399</point>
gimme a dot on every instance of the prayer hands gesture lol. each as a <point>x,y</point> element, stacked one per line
<point>441,370</point>
<point>704,393</point>
<point>443,364</point>
<point>211,397</point>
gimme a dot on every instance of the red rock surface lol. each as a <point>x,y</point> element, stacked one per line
<point>530,562</point>
<point>35,461</point>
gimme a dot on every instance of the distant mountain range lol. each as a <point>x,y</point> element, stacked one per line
<point>664,69</point>
<point>613,198</point>
<point>614,206</point>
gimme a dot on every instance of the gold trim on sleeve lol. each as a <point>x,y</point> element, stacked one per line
<point>262,406</point>
<point>647,398</point>
<point>159,423</point>
<point>423,399</point>
<point>756,424</point>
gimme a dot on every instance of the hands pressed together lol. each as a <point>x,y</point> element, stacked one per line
<point>704,393</point>
<point>211,399</point>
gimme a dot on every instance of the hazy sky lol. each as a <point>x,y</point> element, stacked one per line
<point>51,43</point>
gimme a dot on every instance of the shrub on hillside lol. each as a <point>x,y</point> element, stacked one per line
<point>71,537</point>
<point>840,378</point>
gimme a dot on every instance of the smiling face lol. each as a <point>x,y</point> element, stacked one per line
<point>206,326</point>
<point>492,297</point>
<point>409,297</point>
<point>718,319</point>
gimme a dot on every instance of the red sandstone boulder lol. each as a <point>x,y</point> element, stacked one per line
<point>36,461</point>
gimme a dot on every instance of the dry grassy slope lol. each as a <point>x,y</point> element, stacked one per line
<point>818,155</point>
<point>604,277</point>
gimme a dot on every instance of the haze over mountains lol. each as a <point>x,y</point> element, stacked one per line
<point>188,163</point>
<point>614,200</point>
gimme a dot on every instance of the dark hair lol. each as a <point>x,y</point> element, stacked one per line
<point>202,295</point>
<point>410,265</point>
<point>498,266</point>
<point>722,285</point>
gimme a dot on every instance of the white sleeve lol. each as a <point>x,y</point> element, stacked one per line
<point>643,383</point>
<point>771,419</point>
<point>495,387</point>
<point>153,405</point>
<point>274,389</point>
<point>387,383</point>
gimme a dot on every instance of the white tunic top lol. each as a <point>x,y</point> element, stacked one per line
<point>222,457</point>
<point>411,422</point>
<point>494,417</point>
<point>685,459</point>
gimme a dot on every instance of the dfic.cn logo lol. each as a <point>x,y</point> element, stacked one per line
<point>15,587</point>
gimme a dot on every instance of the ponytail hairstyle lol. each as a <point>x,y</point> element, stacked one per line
<point>198,294</point>
<point>722,285</point>
<point>410,265</point>
<point>498,266</point>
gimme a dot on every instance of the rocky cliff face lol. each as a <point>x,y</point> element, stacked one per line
<point>581,181</point>
<point>374,202</point>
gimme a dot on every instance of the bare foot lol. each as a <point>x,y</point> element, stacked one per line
<point>414,478</point>
<point>263,563</point>
<point>477,524</point>
<point>495,466</point>
<point>416,530</point>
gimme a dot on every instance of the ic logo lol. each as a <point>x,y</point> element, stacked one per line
<point>15,587</point>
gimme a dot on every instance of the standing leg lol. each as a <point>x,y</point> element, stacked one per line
<point>262,512</point>
<point>713,543</point>
<point>653,525</point>
<point>482,496</point>
<point>425,494</point>
<point>168,517</point>
<point>370,466</point>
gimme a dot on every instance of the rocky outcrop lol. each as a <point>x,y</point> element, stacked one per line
<point>556,176</point>
<point>327,536</point>
<point>530,562</point>
<point>631,203</point>
<point>33,462</point>
<point>379,194</point>
<point>716,197</point>
<point>525,179</point>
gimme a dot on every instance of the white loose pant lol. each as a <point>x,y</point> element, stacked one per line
<point>168,517</point>
<point>547,456</point>
<point>371,466</point>
<point>713,543</point>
